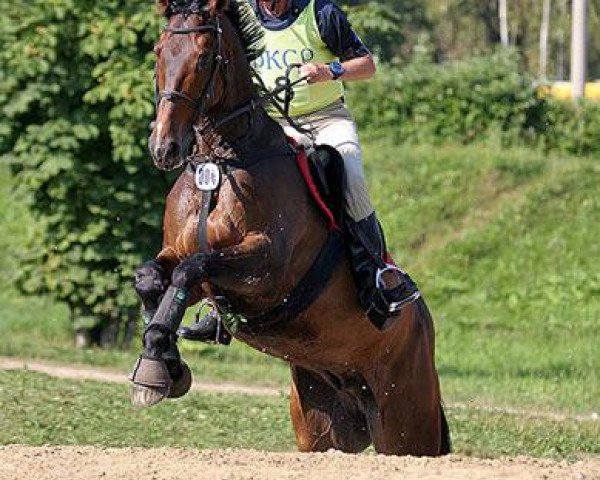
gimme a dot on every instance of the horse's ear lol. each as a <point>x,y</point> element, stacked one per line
<point>218,6</point>
<point>162,6</point>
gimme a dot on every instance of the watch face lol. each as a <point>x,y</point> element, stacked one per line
<point>336,69</point>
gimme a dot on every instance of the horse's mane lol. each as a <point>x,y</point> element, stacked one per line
<point>240,14</point>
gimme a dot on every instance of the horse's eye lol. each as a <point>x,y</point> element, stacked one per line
<point>203,61</point>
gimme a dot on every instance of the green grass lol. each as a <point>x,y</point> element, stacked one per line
<point>38,410</point>
<point>503,242</point>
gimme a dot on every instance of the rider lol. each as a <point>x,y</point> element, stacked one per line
<point>318,35</point>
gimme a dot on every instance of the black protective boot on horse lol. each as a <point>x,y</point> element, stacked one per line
<point>160,372</point>
<point>383,289</point>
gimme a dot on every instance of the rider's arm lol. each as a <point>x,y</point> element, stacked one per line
<point>337,33</point>
<point>360,68</point>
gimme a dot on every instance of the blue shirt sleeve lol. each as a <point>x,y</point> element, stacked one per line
<point>337,33</point>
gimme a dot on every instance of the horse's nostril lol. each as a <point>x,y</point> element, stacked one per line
<point>172,150</point>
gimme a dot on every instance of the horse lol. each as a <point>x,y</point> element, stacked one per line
<point>265,255</point>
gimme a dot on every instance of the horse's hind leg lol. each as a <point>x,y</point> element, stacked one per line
<point>324,417</point>
<point>408,418</point>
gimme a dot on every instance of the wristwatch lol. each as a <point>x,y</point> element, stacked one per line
<point>336,69</point>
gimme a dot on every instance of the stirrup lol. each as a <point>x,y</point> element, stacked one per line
<point>379,275</point>
<point>220,336</point>
<point>395,307</point>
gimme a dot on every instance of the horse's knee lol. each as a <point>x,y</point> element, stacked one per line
<point>187,273</point>
<point>149,281</point>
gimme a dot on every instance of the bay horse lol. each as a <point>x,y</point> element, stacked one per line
<point>352,384</point>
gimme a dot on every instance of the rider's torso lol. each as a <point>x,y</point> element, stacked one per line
<point>299,43</point>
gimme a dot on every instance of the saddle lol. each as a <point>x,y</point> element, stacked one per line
<point>325,179</point>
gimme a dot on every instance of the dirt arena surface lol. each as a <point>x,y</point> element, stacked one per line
<point>89,463</point>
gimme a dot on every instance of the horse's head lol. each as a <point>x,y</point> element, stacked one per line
<point>190,75</point>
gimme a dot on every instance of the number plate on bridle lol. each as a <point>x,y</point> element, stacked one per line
<point>208,177</point>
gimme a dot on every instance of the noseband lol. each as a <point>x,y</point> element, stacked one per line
<point>218,60</point>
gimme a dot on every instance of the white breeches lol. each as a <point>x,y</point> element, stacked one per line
<point>335,126</point>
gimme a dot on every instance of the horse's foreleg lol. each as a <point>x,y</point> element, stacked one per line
<point>244,268</point>
<point>151,281</point>
<point>231,267</point>
<point>408,419</point>
<point>159,372</point>
<point>150,285</point>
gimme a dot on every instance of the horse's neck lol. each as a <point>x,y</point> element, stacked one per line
<point>248,132</point>
<point>241,136</point>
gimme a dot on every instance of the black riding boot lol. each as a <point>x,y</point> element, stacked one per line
<point>208,329</point>
<point>366,245</point>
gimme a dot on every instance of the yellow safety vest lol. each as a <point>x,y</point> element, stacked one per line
<point>298,43</point>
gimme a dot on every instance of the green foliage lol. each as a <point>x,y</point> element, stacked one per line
<point>380,26</point>
<point>469,101</point>
<point>75,102</point>
<point>389,29</point>
<point>459,101</point>
<point>574,129</point>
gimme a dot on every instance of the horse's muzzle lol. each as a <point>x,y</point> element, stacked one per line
<point>169,154</point>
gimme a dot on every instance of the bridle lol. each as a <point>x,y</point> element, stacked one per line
<point>285,85</point>
<point>218,61</point>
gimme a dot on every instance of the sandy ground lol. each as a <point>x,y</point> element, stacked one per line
<point>89,463</point>
<point>19,462</point>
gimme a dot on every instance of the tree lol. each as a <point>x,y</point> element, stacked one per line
<point>75,102</point>
<point>390,29</point>
<point>544,32</point>
<point>503,18</point>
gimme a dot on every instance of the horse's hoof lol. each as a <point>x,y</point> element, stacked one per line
<point>182,384</point>
<point>142,396</point>
<point>151,382</point>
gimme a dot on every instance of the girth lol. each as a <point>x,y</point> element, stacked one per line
<point>304,294</point>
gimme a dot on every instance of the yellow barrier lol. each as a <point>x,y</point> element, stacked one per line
<point>563,90</point>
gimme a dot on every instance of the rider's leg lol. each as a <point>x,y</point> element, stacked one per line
<point>383,288</point>
<point>207,328</point>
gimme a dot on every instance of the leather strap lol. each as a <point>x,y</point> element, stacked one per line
<point>205,209</point>
<point>304,294</point>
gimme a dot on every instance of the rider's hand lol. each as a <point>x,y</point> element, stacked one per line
<point>316,72</point>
